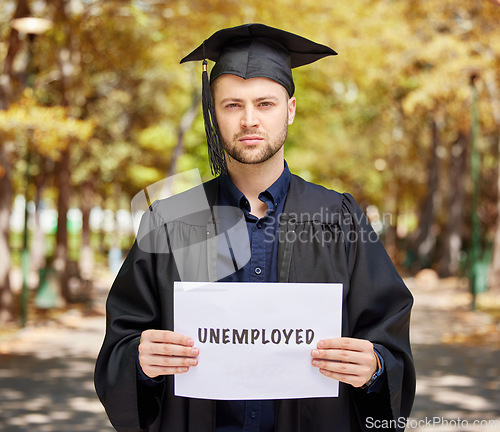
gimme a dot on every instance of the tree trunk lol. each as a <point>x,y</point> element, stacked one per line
<point>86,264</point>
<point>61,255</point>
<point>6,296</point>
<point>390,220</point>
<point>86,205</point>
<point>452,239</point>
<point>494,275</point>
<point>7,306</point>
<point>37,248</point>
<point>69,58</point>
<point>393,196</point>
<point>185,124</point>
<point>424,238</point>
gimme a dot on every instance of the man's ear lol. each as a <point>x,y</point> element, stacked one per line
<point>291,109</point>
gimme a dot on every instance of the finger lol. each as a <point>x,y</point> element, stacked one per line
<point>167,336</point>
<point>168,349</point>
<point>343,368</point>
<point>168,361</point>
<point>355,381</point>
<point>155,371</point>
<point>345,343</point>
<point>356,357</point>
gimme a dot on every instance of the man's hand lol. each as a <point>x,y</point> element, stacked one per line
<point>163,352</point>
<point>351,361</point>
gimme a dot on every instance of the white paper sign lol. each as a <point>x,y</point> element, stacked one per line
<point>255,339</point>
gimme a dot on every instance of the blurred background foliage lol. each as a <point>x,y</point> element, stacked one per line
<point>98,107</point>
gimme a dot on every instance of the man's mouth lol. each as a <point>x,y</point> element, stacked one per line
<point>250,139</point>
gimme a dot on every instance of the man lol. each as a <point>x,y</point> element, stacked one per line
<point>247,111</point>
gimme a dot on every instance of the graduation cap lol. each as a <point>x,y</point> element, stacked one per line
<point>249,51</point>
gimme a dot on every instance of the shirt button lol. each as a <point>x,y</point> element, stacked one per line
<point>258,270</point>
<point>259,225</point>
<point>253,415</point>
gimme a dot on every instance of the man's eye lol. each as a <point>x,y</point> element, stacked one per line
<point>265,104</point>
<point>232,105</point>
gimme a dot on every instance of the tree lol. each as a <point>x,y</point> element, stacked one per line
<point>494,96</point>
<point>363,117</point>
<point>6,89</point>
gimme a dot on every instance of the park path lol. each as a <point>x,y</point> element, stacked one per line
<point>457,358</point>
<point>46,371</point>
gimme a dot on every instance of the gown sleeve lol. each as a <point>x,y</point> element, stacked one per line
<point>133,305</point>
<point>379,310</point>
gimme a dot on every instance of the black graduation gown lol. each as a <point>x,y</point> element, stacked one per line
<point>324,237</point>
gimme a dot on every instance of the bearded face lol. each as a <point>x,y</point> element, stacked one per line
<point>253,117</point>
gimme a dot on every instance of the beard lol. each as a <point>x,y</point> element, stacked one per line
<point>249,155</point>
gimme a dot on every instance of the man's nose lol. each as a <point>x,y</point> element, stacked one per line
<point>249,119</point>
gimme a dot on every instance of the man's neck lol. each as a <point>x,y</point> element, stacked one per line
<point>252,179</point>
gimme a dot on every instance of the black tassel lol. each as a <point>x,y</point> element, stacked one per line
<point>216,154</point>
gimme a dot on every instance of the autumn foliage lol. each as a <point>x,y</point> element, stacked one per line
<point>388,119</point>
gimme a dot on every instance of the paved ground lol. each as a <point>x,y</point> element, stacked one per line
<point>46,375</point>
<point>457,356</point>
<point>46,370</point>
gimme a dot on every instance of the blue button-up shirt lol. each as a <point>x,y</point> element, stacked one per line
<point>254,415</point>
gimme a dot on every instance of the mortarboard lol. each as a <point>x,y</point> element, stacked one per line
<point>249,51</point>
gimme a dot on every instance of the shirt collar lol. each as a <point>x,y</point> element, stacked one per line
<point>275,193</point>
